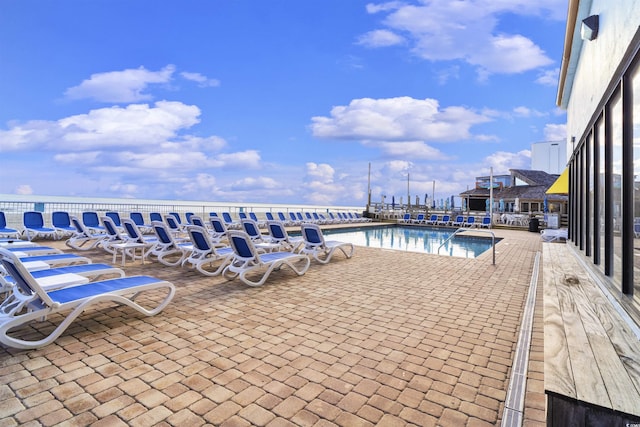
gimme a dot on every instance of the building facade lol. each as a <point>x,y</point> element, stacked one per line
<point>599,87</point>
<point>550,156</point>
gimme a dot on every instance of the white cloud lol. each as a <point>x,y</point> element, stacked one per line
<point>555,132</point>
<point>252,184</point>
<point>397,167</point>
<point>397,119</point>
<point>135,125</point>
<point>242,159</point>
<point>203,185</point>
<point>380,38</point>
<point>549,77</point>
<point>502,161</point>
<point>467,31</point>
<point>411,149</point>
<point>508,55</point>
<point>320,186</point>
<point>134,147</point>
<point>120,86</point>
<point>523,111</point>
<point>202,81</point>
<point>127,190</point>
<point>383,7</point>
<point>320,172</point>
<point>24,189</point>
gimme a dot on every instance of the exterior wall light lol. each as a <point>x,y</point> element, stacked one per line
<point>589,28</point>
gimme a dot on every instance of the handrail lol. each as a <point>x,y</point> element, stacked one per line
<point>460,230</point>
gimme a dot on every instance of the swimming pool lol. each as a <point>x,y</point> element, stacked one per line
<point>413,239</point>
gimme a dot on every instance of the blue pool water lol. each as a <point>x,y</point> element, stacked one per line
<point>413,239</point>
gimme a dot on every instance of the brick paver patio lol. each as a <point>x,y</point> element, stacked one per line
<point>386,338</point>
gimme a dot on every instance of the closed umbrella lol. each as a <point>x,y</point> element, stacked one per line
<point>393,202</point>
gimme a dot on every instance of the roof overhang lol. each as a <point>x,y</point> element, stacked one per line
<point>572,47</point>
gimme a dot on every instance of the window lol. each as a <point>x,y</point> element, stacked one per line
<point>615,120</point>
<point>599,241</point>
<point>635,86</point>
<point>589,189</point>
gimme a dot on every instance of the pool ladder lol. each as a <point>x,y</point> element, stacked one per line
<point>477,230</point>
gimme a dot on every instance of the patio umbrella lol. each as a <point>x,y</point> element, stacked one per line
<point>501,205</point>
<point>545,205</point>
<point>393,202</point>
<point>453,205</point>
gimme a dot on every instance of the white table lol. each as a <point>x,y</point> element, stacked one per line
<point>124,248</point>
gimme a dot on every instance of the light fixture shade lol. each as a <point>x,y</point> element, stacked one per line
<point>589,27</point>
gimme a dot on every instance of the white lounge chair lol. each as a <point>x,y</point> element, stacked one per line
<point>83,239</point>
<point>11,233</point>
<point>139,220</point>
<point>91,221</point>
<point>167,246</point>
<point>554,235</point>
<point>135,234</point>
<point>29,302</point>
<point>34,228</point>
<point>114,237</point>
<point>54,260</point>
<point>32,250</point>
<point>278,235</point>
<point>218,230</point>
<point>322,250</point>
<point>54,278</point>
<point>61,222</point>
<point>205,256</point>
<point>446,219</point>
<point>458,222</point>
<point>250,227</point>
<point>247,261</point>
<point>433,219</point>
<point>419,219</point>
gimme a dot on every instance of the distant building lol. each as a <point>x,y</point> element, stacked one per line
<point>549,156</point>
<point>522,191</point>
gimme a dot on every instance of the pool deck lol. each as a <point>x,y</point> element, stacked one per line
<point>386,338</point>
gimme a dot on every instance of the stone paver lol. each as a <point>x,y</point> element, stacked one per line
<point>385,338</point>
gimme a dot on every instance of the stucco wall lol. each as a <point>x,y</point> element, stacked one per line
<point>619,21</point>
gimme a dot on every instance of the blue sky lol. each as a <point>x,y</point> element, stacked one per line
<point>273,101</point>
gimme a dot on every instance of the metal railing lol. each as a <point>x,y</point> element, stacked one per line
<point>477,230</point>
<point>14,207</point>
